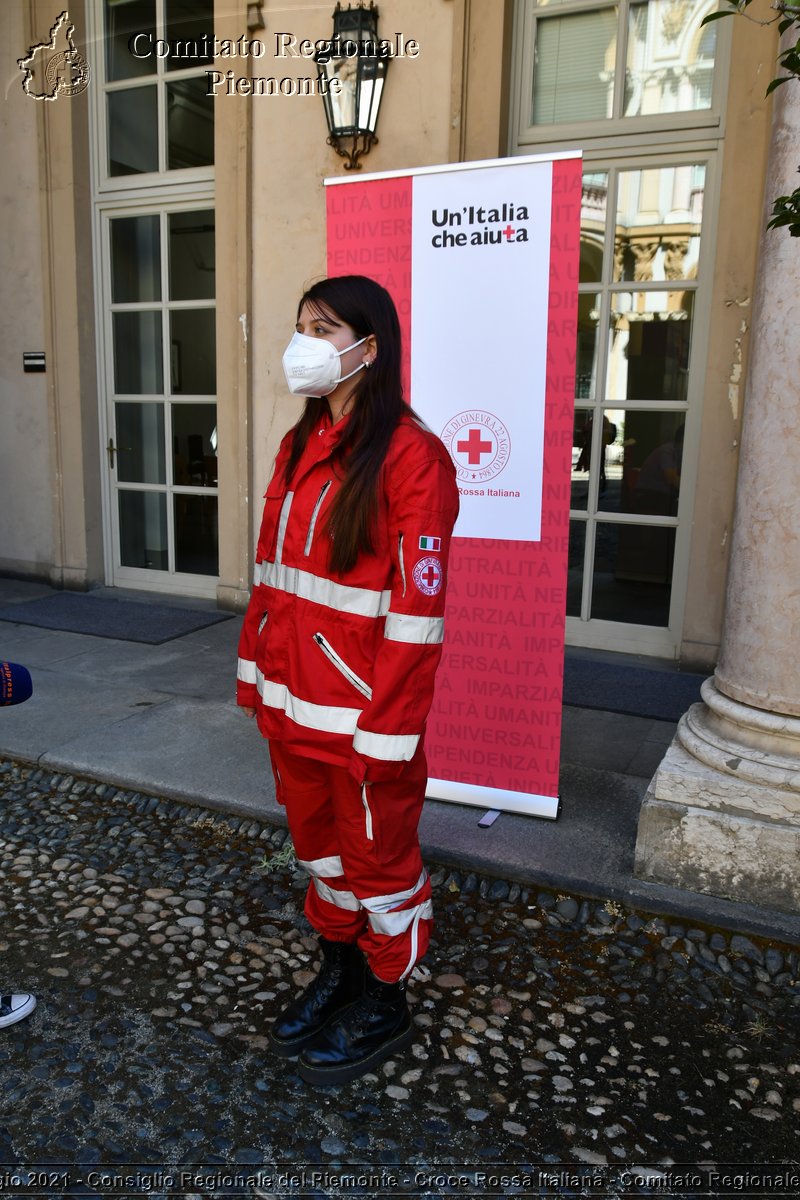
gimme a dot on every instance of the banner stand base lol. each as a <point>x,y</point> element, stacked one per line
<point>493,798</point>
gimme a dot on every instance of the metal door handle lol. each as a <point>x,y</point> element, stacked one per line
<point>112,450</point>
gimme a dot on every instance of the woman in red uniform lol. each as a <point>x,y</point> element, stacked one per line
<point>337,660</point>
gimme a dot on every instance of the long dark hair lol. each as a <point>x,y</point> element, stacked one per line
<point>378,406</point>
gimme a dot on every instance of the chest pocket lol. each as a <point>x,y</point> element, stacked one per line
<point>314,516</point>
<point>277,503</point>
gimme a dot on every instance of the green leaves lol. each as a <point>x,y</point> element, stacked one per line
<point>790,59</point>
<point>279,860</point>
<point>785,209</point>
<point>786,213</point>
<point>715,16</point>
<point>736,6</point>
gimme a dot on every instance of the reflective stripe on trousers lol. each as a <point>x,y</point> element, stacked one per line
<point>373,892</point>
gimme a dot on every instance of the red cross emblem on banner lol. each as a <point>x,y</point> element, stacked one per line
<point>475,446</point>
<point>427,576</point>
<point>479,445</point>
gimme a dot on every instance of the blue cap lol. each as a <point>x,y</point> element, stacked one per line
<point>15,683</point>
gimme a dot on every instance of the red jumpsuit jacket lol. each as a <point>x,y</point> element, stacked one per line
<point>341,667</point>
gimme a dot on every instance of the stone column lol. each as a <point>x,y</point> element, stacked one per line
<point>722,814</point>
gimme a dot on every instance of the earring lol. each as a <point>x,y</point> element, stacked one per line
<point>367,363</point>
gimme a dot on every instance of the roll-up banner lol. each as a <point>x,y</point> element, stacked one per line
<point>482,262</point>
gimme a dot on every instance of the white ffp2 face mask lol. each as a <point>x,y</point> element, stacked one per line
<point>313,366</point>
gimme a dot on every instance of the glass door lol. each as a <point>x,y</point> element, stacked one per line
<point>161,383</point>
<point>637,85</point>
<point>154,241</point>
<point>636,393</point>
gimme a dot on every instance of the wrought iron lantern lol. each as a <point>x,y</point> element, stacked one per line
<point>354,67</point>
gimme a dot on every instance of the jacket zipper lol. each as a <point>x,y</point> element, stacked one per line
<point>342,666</point>
<point>261,625</point>
<point>402,564</point>
<point>314,516</point>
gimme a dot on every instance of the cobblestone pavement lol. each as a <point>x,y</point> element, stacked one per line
<point>550,1029</point>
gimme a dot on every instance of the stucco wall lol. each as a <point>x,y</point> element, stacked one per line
<point>738,228</point>
<point>26,475</point>
<point>290,162</point>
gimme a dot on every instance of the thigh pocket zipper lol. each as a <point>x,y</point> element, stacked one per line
<point>367,813</point>
<point>342,666</point>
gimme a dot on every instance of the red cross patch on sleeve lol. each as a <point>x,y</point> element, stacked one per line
<point>428,575</point>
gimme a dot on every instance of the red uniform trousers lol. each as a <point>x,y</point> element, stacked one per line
<point>360,846</point>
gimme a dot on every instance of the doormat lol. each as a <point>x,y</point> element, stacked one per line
<point>125,620</point>
<point>632,691</point>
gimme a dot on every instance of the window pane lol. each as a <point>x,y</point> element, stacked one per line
<point>586,357</point>
<point>577,551</point>
<point>194,444</point>
<point>123,20</point>
<point>643,462</point>
<point>342,99</point>
<point>573,74</point>
<point>193,351</point>
<point>196,537</point>
<point>594,198</point>
<point>140,443</point>
<point>143,530</point>
<point>190,124</point>
<point>610,458</point>
<point>135,259</point>
<point>187,22</point>
<point>370,92</point>
<point>670,61</point>
<point>649,339</point>
<point>191,255</point>
<point>133,131</point>
<point>659,213</point>
<point>581,451</point>
<point>632,578</point>
<point>138,361</point>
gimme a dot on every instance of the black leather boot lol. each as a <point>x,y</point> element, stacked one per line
<point>339,981</point>
<point>376,1026</point>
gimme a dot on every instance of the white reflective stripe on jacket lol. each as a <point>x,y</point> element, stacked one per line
<point>297,582</point>
<point>365,706</point>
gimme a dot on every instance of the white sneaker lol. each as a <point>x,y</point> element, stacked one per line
<point>14,1008</point>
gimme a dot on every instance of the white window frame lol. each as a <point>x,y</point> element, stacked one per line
<point>663,641</point>
<point>162,192</point>
<point>695,122</point>
<point>156,580</point>
<point>625,144</point>
<point>103,181</point>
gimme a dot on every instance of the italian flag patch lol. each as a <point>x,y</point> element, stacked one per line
<point>430,543</point>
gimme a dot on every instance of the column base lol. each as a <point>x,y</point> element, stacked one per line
<point>70,579</point>
<point>722,813</point>
<point>232,598</point>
